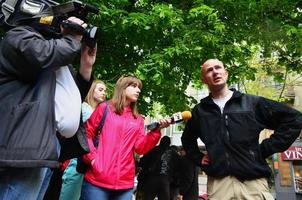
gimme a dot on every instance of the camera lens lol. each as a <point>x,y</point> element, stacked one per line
<point>90,36</point>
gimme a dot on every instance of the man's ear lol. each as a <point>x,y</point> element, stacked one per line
<point>201,76</point>
<point>202,79</point>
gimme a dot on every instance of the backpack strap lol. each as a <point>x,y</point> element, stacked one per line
<point>7,8</point>
<point>100,127</point>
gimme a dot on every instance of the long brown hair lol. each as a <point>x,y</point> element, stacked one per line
<point>89,98</point>
<point>119,99</point>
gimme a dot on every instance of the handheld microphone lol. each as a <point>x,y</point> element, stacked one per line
<point>176,117</point>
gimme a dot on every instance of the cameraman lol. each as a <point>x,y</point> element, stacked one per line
<point>39,99</point>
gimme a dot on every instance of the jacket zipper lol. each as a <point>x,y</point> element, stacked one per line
<point>252,154</point>
<point>226,125</point>
<point>228,138</point>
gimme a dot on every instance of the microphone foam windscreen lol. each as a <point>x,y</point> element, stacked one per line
<point>186,115</point>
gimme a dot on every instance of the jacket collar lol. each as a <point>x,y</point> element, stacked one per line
<point>209,100</point>
<point>127,109</point>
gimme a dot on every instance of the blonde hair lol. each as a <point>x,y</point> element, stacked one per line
<point>89,98</point>
<point>119,99</point>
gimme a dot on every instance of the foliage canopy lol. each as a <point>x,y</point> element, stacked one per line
<point>164,42</point>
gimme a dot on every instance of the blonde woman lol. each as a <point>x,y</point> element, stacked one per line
<point>71,179</point>
<point>111,171</point>
<point>96,95</point>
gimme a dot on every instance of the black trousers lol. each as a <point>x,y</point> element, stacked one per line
<point>54,188</point>
<point>157,186</point>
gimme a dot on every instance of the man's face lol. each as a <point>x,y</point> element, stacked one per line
<point>214,74</point>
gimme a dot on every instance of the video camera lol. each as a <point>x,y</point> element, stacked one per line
<point>47,16</point>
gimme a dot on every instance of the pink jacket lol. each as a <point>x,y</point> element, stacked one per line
<point>121,136</point>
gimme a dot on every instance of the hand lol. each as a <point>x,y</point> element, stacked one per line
<point>205,160</point>
<point>88,57</point>
<point>163,123</point>
<point>92,162</point>
<point>75,21</point>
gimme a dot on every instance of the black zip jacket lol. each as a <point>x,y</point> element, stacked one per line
<point>232,138</point>
<point>27,89</point>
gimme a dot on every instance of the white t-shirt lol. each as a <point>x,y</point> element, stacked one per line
<point>222,101</point>
<point>67,103</point>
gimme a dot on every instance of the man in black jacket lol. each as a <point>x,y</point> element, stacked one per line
<point>39,99</point>
<point>229,123</point>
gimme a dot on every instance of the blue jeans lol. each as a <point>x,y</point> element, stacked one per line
<point>24,183</point>
<point>92,192</point>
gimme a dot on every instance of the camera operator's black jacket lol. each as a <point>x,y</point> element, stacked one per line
<point>232,138</point>
<point>27,90</point>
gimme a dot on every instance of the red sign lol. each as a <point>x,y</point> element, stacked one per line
<point>292,153</point>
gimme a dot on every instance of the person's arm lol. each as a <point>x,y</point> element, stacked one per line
<point>189,140</point>
<point>86,111</point>
<point>83,85</point>
<point>285,121</point>
<point>146,141</point>
<point>88,57</point>
<point>84,76</point>
<point>28,52</point>
<point>32,49</point>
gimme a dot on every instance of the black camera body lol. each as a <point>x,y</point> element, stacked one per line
<point>79,10</point>
<point>48,16</point>
<point>89,33</point>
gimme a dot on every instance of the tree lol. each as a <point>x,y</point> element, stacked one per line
<point>163,42</point>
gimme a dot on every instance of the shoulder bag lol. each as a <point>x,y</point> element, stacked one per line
<point>81,166</point>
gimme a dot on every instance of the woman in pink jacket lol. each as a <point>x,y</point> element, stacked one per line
<point>111,171</point>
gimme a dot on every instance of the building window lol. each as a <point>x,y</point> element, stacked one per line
<point>297,170</point>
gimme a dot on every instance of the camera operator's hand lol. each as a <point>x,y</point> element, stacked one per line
<point>88,56</point>
<point>74,21</point>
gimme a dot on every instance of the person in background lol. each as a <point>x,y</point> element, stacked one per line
<point>71,179</point>
<point>175,171</point>
<point>111,170</point>
<point>162,181</point>
<point>188,177</point>
<point>96,95</point>
<point>229,122</point>
<point>147,165</point>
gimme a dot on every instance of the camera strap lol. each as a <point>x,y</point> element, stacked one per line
<point>7,8</point>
